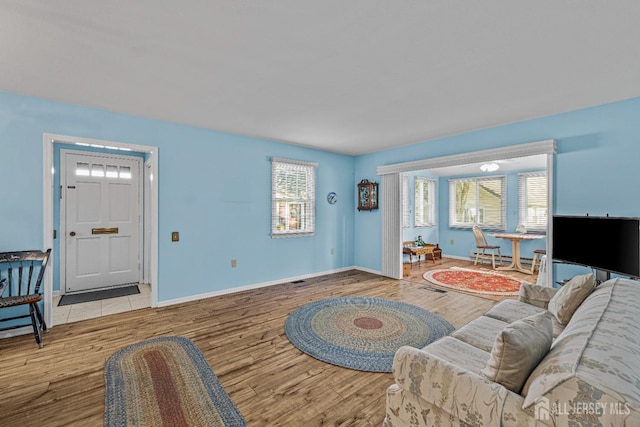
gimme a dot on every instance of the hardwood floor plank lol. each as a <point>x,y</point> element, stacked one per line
<point>242,337</point>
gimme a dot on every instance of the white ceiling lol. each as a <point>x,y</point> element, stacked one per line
<point>351,76</point>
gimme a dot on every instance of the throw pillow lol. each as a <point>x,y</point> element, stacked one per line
<point>567,300</point>
<point>518,349</point>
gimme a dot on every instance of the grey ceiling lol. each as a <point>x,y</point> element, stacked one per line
<point>346,76</point>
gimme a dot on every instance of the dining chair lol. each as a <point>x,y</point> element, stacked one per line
<point>21,275</point>
<point>482,246</point>
<point>537,255</point>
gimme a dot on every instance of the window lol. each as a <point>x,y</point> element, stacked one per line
<point>406,210</point>
<point>98,171</point>
<point>477,201</point>
<point>532,200</point>
<point>424,202</point>
<point>293,195</point>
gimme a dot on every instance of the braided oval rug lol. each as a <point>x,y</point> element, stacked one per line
<point>362,333</point>
<point>165,381</point>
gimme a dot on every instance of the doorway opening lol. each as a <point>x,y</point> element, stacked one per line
<point>53,227</point>
<point>100,221</point>
<point>391,194</point>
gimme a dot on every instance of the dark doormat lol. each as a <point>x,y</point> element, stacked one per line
<point>98,295</point>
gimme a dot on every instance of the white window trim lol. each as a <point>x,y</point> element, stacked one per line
<point>431,184</point>
<point>310,214</point>
<point>468,225</point>
<point>523,200</point>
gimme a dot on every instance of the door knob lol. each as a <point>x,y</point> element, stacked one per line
<point>73,233</point>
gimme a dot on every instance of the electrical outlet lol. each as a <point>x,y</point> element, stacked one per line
<point>175,236</point>
<point>234,263</point>
<point>332,251</point>
<point>451,242</point>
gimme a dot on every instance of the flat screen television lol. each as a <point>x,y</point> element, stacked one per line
<point>608,244</point>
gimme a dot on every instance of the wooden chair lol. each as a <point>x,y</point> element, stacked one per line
<point>482,246</point>
<point>537,255</point>
<point>21,275</point>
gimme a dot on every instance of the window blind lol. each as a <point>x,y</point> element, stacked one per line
<point>532,200</point>
<point>478,201</point>
<point>424,202</point>
<point>293,198</point>
<point>406,202</point>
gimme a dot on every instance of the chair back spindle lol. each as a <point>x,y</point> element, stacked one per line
<point>21,275</point>
<point>18,270</point>
<point>479,235</point>
<point>482,246</point>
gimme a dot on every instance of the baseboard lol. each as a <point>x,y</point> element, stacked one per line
<point>367,270</point>
<point>463,258</point>
<point>251,287</point>
<point>24,330</point>
<point>505,258</point>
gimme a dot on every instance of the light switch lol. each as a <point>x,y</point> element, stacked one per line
<point>175,236</point>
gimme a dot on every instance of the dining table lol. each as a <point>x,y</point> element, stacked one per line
<point>516,238</point>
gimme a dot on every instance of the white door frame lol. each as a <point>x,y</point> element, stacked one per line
<point>48,141</point>
<point>147,176</point>
<point>62,233</point>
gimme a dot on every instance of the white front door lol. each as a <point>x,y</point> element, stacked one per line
<point>101,197</point>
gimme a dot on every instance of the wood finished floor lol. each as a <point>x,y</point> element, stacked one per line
<point>242,336</point>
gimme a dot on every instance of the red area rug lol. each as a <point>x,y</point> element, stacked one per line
<point>480,282</point>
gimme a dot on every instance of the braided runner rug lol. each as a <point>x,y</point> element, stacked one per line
<point>362,333</point>
<point>479,282</point>
<point>165,382</point>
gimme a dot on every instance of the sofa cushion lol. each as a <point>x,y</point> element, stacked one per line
<point>599,347</point>
<point>459,353</point>
<point>480,332</point>
<point>565,302</point>
<point>510,310</point>
<point>518,349</point>
<point>536,295</point>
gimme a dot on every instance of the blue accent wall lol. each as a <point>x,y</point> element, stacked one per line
<point>596,168</point>
<point>215,187</point>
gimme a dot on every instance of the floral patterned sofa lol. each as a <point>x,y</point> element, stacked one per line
<point>590,376</point>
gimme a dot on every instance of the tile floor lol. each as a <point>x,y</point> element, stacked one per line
<point>88,310</point>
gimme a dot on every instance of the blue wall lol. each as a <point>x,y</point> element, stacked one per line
<point>596,168</point>
<point>214,188</point>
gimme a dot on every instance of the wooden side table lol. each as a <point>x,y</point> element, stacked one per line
<point>436,253</point>
<point>429,249</point>
<point>406,269</point>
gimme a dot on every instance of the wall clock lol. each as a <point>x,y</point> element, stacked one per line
<point>332,198</point>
